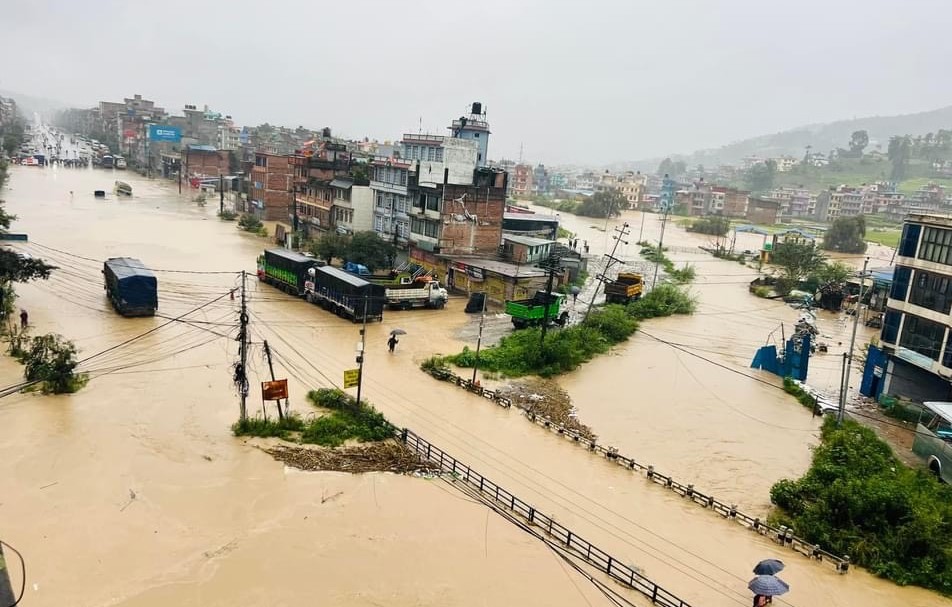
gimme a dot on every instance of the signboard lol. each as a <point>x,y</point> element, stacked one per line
<point>274,390</point>
<point>158,132</point>
<point>351,377</point>
<point>129,133</point>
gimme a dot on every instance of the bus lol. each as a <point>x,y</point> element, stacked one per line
<point>106,162</point>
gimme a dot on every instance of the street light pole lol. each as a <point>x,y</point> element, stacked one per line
<point>360,353</point>
<point>844,388</point>
<point>479,340</point>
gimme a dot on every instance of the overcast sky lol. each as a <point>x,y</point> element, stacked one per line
<point>588,81</point>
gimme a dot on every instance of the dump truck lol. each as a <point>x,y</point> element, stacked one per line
<point>532,312</point>
<point>427,294</point>
<point>627,287</point>
<point>285,270</point>
<point>130,286</point>
<point>344,294</point>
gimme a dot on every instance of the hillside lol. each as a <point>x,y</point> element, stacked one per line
<point>28,104</point>
<point>822,138</point>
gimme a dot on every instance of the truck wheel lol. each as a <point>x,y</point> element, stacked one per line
<point>936,468</point>
<point>407,305</point>
<point>440,304</point>
<point>518,323</point>
<point>563,319</point>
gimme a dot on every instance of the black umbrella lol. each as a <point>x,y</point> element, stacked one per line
<point>768,585</point>
<point>769,567</point>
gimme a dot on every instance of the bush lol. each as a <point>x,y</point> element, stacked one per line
<point>762,291</point>
<point>714,225</point>
<point>51,360</point>
<point>682,275</point>
<point>663,300</point>
<point>249,223</point>
<point>266,428</point>
<point>346,421</point>
<point>803,397</point>
<point>858,499</point>
<point>613,322</point>
<point>227,215</point>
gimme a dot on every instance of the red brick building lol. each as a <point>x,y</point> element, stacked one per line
<point>272,186</point>
<point>471,215</point>
<point>205,161</point>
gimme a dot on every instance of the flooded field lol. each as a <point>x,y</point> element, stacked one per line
<point>133,491</point>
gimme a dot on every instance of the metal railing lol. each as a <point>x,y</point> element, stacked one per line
<point>625,575</point>
<point>781,534</point>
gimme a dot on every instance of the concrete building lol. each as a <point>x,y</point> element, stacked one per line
<point>354,210</point>
<point>540,180</point>
<point>530,224</point>
<point>472,214</point>
<point>526,249</point>
<point>521,185</point>
<point>324,182</point>
<point>917,326</point>
<point>474,128</point>
<point>390,182</point>
<point>272,187</point>
<point>228,137</point>
<point>203,161</point>
<point>763,211</point>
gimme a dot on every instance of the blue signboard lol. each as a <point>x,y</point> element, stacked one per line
<point>158,132</point>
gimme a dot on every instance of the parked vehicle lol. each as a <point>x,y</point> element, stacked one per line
<point>627,287</point>
<point>123,188</point>
<point>533,312</point>
<point>285,270</point>
<point>933,440</point>
<point>106,162</point>
<point>130,286</point>
<point>344,294</point>
<point>119,162</point>
<point>427,294</point>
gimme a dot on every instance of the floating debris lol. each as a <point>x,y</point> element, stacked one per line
<point>386,456</point>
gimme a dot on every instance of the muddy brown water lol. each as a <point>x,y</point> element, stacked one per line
<point>133,492</point>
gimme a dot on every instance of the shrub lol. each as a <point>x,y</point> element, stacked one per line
<point>682,275</point>
<point>858,499</point>
<point>663,300</point>
<point>346,421</point>
<point>265,428</point>
<point>227,215</point>
<point>51,360</point>
<point>613,322</point>
<point>714,225</point>
<point>762,291</point>
<point>249,223</point>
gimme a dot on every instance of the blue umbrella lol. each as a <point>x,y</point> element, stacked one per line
<point>768,585</point>
<point>769,567</point>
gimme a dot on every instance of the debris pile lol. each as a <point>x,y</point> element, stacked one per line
<point>548,399</point>
<point>386,456</point>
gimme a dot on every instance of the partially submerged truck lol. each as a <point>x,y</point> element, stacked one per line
<point>409,287</point>
<point>344,294</point>
<point>286,270</point>
<point>131,287</point>
<point>627,287</point>
<point>535,311</point>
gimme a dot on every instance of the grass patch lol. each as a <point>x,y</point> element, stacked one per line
<point>858,499</point>
<point>654,254</point>
<point>347,420</point>
<point>267,428</point>
<point>522,353</point>
<point>884,236</point>
<point>803,397</point>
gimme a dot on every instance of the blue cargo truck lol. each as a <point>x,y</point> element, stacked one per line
<point>130,286</point>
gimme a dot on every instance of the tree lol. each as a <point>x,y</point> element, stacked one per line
<point>760,177</point>
<point>796,261</point>
<point>898,153</point>
<point>331,245</point>
<point>858,142</point>
<point>604,203</point>
<point>371,250</point>
<point>834,271</point>
<point>847,235</point>
<point>51,359</point>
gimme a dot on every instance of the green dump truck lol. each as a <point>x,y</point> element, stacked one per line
<point>532,312</point>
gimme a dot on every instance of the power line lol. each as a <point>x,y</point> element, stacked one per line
<point>137,267</point>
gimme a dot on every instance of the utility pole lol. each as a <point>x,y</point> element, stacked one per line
<point>622,232</point>
<point>667,201</point>
<point>552,262</point>
<point>360,352</point>
<point>641,232</point>
<point>267,352</point>
<point>221,193</point>
<point>844,388</point>
<point>479,340</point>
<point>241,377</point>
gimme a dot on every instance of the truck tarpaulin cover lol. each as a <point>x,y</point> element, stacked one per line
<point>274,390</point>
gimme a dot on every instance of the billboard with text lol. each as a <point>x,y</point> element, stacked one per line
<point>158,132</point>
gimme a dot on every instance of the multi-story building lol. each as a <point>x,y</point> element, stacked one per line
<point>917,326</point>
<point>584,182</point>
<point>229,137</point>
<point>632,186</point>
<point>323,183</point>
<point>474,128</point>
<point>540,180</point>
<point>704,199</point>
<point>521,180</point>
<point>272,186</point>
<point>785,163</point>
<point>794,201</point>
<point>391,181</point>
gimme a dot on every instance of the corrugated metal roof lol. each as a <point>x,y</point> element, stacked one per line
<point>529,241</point>
<point>942,408</point>
<point>344,184</point>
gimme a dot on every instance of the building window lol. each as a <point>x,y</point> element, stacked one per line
<point>931,291</point>
<point>476,135</point>
<point>947,357</point>
<point>922,336</point>
<point>433,203</point>
<point>936,246</point>
<point>900,285</point>
<point>891,326</point>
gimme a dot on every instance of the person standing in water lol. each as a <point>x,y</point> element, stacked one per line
<point>392,342</point>
<point>24,318</point>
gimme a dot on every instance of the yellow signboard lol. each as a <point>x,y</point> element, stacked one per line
<point>351,377</point>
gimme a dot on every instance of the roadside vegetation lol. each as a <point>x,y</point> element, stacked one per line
<point>227,215</point>
<point>714,225</point>
<point>49,361</point>
<point>564,350</point>
<point>342,421</point>
<point>654,254</point>
<point>858,499</point>
<point>365,248</point>
<point>250,223</point>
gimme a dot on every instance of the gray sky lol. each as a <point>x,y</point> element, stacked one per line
<point>587,81</point>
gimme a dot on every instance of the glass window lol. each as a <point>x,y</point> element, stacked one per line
<point>900,285</point>
<point>936,245</point>
<point>891,326</point>
<point>910,240</point>
<point>931,291</point>
<point>923,336</point>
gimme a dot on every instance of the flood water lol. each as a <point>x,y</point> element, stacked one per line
<point>133,491</point>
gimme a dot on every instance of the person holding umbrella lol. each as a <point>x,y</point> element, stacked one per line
<point>766,585</point>
<point>392,342</point>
